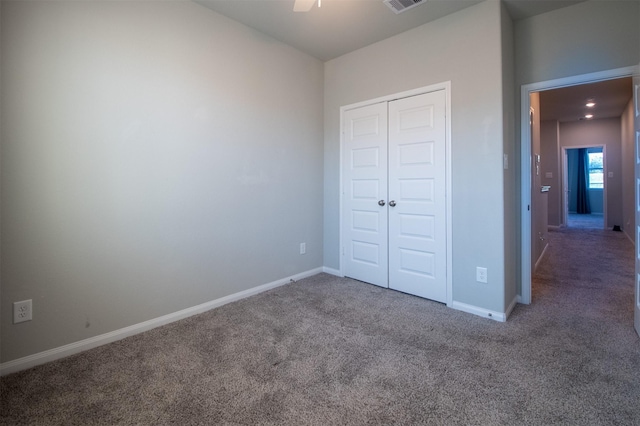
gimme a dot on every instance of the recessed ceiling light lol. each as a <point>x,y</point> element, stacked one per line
<point>588,116</point>
<point>591,104</point>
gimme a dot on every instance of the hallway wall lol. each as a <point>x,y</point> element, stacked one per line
<point>606,132</point>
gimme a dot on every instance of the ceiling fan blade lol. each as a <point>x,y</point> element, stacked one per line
<point>303,5</point>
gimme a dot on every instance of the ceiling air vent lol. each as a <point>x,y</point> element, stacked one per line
<point>401,5</point>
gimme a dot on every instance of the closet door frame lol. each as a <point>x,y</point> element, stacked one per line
<point>446,86</point>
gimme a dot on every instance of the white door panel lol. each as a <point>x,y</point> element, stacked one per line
<point>417,187</point>
<point>364,186</point>
<point>394,195</point>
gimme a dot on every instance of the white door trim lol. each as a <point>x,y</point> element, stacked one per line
<point>636,141</point>
<point>525,161</point>
<point>446,86</point>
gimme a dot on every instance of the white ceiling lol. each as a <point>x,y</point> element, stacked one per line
<point>568,103</point>
<point>342,26</point>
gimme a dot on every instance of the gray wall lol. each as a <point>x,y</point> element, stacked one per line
<point>510,181</point>
<point>629,156</point>
<point>605,132</point>
<point>149,164</point>
<point>588,37</point>
<point>539,200</point>
<point>443,50</point>
<point>551,164</point>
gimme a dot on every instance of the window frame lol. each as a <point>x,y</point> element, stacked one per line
<point>591,169</point>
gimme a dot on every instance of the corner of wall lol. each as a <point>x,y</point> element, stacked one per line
<point>509,157</point>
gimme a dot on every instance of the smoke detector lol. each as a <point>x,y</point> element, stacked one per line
<point>399,6</point>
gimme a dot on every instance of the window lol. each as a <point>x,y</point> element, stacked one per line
<point>596,170</point>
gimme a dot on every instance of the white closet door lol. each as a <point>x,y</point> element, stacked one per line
<point>417,196</point>
<point>364,221</point>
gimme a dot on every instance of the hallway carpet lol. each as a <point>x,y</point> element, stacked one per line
<point>585,221</point>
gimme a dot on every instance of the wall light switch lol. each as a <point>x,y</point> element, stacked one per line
<point>548,175</point>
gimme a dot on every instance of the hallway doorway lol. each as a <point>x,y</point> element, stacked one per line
<point>584,187</point>
<point>527,168</point>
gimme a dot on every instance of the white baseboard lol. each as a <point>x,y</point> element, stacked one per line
<point>92,342</point>
<point>476,310</point>
<point>331,271</point>
<point>629,237</point>
<point>544,250</point>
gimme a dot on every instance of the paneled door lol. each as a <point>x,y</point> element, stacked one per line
<point>417,196</point>
<point>394,195</point>
<point>364,212</point>
<point>636,112</point>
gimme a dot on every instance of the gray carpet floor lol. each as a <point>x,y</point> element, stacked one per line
<point>588,221</point>
<point>329,350</point>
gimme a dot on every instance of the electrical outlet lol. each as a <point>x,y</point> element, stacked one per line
<point>481,275</point>
<point>22,311</point>
<point>303,248</point>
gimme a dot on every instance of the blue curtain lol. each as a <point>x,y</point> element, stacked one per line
<point>583,206</point>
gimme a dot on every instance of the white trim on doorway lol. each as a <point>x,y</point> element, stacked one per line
<point>525,160</point>
<point>446,86</point>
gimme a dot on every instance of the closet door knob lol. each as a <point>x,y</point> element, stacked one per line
<point>392,203</point>
<point>381,203</point>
